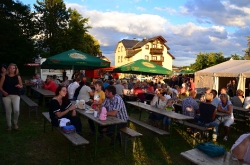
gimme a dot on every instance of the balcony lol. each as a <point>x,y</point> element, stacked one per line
<point>158,62</point>
<point>156,51</point>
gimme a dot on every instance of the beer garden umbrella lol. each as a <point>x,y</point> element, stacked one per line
<point>187,71</point>
<point>74,59</point>
<point>143,67</point>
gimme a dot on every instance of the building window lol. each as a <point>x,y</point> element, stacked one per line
<point>154,58</point>
<point>147,46</point>
<point>128,59</point>
<point>121,48</point>
<point>118,59</point>
<point>162,47</point>
<point>118,49</point>
<point>162,58</point>
<point>121,58</point>
<point>154,46</point>
<point>146,57</point>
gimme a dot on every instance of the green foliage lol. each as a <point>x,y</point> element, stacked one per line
<point>205,60</point>
<point>16,32</point>
<point>237,57</point>
<point>52,20</point>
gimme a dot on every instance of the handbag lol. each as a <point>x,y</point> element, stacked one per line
<point>211,149</point>
<point>69,129</point>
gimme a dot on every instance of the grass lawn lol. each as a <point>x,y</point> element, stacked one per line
<point>30,145</point>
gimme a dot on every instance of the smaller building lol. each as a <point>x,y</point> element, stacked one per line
<point>153,49</point>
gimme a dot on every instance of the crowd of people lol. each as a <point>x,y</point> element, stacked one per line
<point>111,95</point>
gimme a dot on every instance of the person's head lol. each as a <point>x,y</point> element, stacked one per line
<point>37,76</point>
<point>54,77</point>
<point>192,94</point>
<point>207,90</point>
<point>161,93</point>
<point>48,79</point>
<point>98,85</point>
<point>233,81</point>
<point>66,78</point>
<point>84,79</point>
<point>223,91</point>
<point>209,97</point>
<point>223,97</point>
<point>87,83</point>
<point>3,68</point>
<point>12,69</point>
<point>170,102</point>
<point>191,80</point>
<point>118,81</point>
<point>61,91</point>
<point>214,92</point>
<point>78,80</point>
<point>110,91</point>
<point>111,83</point>
<point>239,92</point>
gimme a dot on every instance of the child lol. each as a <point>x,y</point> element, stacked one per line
<point>169,107</point>
<point>99,97</point>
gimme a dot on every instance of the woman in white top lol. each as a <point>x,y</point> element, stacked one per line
<point>225,106</point>
<point>85,94</point>
<point>159,101</point>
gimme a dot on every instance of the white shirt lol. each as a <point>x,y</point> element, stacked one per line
<point>238,141</point>
<point>72,88</point>
<point>84,93</point>
<point>247,103</point>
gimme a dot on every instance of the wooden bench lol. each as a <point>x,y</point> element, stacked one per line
<point>200,158</point>
<point>32,105</point>
<point>74,138</point>
<point>129,135</point>
<point>197,127</point>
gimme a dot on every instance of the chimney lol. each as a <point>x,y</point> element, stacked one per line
<point>144,38</point>
<point>134,39</point>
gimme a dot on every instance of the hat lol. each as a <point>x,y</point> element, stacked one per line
<point>4,65</point>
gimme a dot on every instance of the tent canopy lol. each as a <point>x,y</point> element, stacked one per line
<point>76,59</point>
<point>143,67</point>
<point>231,68</point>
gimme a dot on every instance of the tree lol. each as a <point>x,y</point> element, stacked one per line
<point>205,60</point>
<point>16,32</point>
<point>247,51</point>
<point>52,20</point>
<point>78,36</point>
<point>237,57</point>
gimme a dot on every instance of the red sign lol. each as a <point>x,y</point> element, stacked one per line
<point>32,64</point>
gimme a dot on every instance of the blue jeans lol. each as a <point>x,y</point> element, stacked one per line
<point>211,124</point>
<point>166,120</point>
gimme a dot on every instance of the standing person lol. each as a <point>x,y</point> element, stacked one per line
<point>2,74</point>
<point>225,106</point>
<point>60,107</point>
<point>192,85</point>
<point>72,88</point>
<point>115,107</point>
<point>234,88</point>
<point>65,81</point>
<point>229,88</point>
<point>10,85</point>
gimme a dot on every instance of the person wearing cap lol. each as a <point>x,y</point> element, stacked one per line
<point>2,74</point>
<point>10,86</point>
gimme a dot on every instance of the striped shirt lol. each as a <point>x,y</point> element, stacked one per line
<point>116,104</point>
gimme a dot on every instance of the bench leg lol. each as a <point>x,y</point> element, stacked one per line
<point>134,140</point>
<point>125,144</point>
<point>44,122</point>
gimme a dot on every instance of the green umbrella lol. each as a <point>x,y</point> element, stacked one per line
<point>187,71</point>
<point>74,59</point>
<point>143,67</point>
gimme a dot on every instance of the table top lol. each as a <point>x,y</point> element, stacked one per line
<point>198,157</point>
<point>222,114</point>
<point>109,121</point>
<point>240,109</point>
<point>44,92</point>
<point>170,114</point>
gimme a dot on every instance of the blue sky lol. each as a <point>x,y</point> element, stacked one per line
<point>189,26</point>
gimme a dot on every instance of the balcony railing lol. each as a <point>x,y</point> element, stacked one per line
<point>154,51</point>
<point>158,62</point>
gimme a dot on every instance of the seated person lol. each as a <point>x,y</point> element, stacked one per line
<point>246,104</point>
<point>139,92</point>
<point>208,115</point>
<point>60,107</point>
<point>166,119</point>
<point>66,81</point>
<point>190,107</point>
<point>241,148</point>
<point>238,100</point>
<point>159,101</point>
<point>85,93</point>
<point>225,106</point>
<point>216,100</point>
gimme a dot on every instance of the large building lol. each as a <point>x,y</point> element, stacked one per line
<point>152,49</point>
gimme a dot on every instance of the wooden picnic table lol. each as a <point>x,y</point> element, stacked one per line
<point>170,114</point>
<point>44,92</point>
<point>109,121</point>
<point>200,158</point>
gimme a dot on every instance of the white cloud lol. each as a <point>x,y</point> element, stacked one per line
<point>184,40</point>
<point>167,9</point>
<point>140,8</point>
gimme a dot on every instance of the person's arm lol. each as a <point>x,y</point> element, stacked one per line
<point>1,86</point>
<point>219,109</point>
<point>112,113</point>
<point>72,108</point>
<point>229,109</point>
<point>240,150</point>
<point>20,83</point>
<point>214,115</point>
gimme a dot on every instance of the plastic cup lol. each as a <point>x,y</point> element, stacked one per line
<point>145,102</point>
<point>77,101</point>
<point>95,113</point>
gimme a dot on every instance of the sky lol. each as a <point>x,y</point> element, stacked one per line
<point>189,26</point>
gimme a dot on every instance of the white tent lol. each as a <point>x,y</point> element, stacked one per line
<point>209,77</point>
